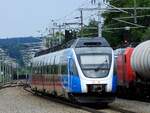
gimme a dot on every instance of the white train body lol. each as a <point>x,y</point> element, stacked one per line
<point>82,72</point>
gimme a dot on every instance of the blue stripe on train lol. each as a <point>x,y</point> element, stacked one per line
<point>74,85</point>
<point>114,83</point>
<point>64,81</point>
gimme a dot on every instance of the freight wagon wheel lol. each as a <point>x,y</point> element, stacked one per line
<point>133,91</point>
<point>137,93</point>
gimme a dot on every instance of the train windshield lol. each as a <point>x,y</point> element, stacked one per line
<point>95,66</point>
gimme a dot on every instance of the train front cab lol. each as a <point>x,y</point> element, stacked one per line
<point>92,84</point>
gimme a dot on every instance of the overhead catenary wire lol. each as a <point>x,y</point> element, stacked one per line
<point>137,25</point>
<point>130,17</point>
<point>71,18</point>
<point>118,9</point>
<point>72,12</point>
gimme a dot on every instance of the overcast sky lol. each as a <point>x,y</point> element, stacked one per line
<point>26,17</point>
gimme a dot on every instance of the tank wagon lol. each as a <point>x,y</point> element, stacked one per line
<point>133,71</point>
<point>140,60</point>
<point>82,72</point>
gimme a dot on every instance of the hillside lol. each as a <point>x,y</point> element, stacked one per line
<point>15,46</point>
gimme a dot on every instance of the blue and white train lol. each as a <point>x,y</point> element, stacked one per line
<point>81,72</point>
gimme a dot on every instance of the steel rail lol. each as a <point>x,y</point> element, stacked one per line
<point>75,105</point>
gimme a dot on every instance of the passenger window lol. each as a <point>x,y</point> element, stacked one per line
<point>47,69</point>
<point>36,70</point>
<point>50,69</point>
<point>75,71</point>
<point>41,70</point>
<point>63,65</point>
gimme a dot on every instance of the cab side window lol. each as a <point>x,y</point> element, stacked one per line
<point>75,71</point>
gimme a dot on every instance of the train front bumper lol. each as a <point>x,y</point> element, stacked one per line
<point>94,97</point>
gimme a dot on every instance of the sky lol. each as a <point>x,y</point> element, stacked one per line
<point>25,17</point>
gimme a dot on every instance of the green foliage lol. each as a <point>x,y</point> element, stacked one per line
<point>136,34</point>
<point>90,30</point>
<point>112,38</point>
<point>146,35</point>
<point>56,39</point>
<point>116,37</point>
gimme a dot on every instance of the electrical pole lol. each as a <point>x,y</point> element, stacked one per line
<point>4,68</point>
<point>99,8</point>
<point>81,12</point>
<point>60,34</point>
<point>135,13</point>
<point>114,9</point>
<point>99,20</point>
<point>53,32</point>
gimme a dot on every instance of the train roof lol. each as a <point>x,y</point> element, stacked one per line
<point>90,42</point>
<point>77,43</point>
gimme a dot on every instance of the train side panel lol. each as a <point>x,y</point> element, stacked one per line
<point>125,73</point>
<point>130,74</point>
<point>61,74</point>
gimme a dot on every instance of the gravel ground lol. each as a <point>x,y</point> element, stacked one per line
<point>136,106</point>
<point>16,100</point>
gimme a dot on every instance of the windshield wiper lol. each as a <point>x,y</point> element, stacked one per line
<point>100,68</point>
<point>103,68</point>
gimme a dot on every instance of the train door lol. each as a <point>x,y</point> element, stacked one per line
<point>46,78</point>
<point>57,77</point>
<point>53,75</point>
<point>33,77</point>
<point>43,75</point>
<point>64,73</point>
<point>48,73</point>
<point>70,72</point>
<point>40,77</point>
<point>73,77</point>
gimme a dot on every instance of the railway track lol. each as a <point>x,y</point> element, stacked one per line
<point>10,84</point>
<point>87,108</point>
<point>92,109</point>
<point>141,99</point>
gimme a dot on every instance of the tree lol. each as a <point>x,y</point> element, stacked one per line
<point>146,35</point>
<point>54,40</point>
<point>115,37</point>
<point>90,30</point>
